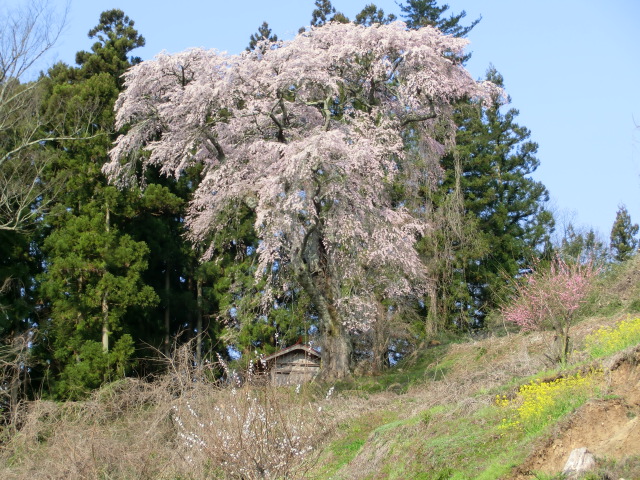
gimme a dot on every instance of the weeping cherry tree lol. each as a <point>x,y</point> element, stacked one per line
<point>310,134</point>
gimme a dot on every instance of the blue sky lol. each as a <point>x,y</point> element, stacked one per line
<point>571,67</point>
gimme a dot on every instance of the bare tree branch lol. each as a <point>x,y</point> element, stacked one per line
<point>27,33</point>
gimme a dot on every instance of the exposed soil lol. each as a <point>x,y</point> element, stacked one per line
<point>609,428</point>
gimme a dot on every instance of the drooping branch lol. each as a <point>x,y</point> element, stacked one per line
<point>322,193</point>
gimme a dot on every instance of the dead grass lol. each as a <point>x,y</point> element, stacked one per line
<point>111,435</point>
<point>178,426</point>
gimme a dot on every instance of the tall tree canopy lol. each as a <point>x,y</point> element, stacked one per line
<point>310,135</point>
<point>325,12</point>
<point>115,38</point>
<point>581,245</point>
<point>263,34</point>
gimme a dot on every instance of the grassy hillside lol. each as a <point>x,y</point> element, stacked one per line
<point>489,407</point>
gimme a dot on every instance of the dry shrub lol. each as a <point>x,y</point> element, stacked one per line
<point>14,368</point>
<point>182,425</point>
<point>247,432</point>
<point>246,429</point>
<point>110,435</point>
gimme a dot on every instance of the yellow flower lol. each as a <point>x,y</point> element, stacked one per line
<point>538,403</point>
<point>606,340</point>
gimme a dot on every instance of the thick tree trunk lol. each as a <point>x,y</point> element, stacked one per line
<point>380,339</point>
<point>313,269</point>
<point>336,353</point>
<point>336,346</point>
<point>431,326</point>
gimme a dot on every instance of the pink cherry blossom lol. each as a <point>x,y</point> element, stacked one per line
<point>310,134</point>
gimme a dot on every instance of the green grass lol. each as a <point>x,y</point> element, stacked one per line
<point>452,445</point>
<point>427,366</point>
<point>351,438</point>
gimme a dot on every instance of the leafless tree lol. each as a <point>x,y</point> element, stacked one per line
<point>27,32</point>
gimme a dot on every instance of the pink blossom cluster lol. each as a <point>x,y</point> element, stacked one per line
<point>549,297</point>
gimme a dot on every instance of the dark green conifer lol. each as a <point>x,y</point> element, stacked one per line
<point>326,12</point>
<point>116,38</point>
<point>420,13</point>
<point>579,245</point>
<point>497,159</point>
<point>623,236</point>
<point>93,275</point>
<point>263,33</point>
<point>371,14</point>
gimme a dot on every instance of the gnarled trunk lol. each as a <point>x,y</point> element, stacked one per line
<point>336,352</point>
<point>336,346</point>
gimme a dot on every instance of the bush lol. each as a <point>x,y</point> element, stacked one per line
<point>248,432</point>
<point>549,298</point>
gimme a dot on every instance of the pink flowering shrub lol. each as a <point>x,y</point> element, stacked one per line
<point>548,298</point>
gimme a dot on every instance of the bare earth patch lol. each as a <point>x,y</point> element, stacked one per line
<point>609,428</point>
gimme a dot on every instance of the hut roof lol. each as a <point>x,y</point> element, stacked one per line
<point>293,348</point>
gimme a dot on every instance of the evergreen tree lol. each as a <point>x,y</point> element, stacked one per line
<point>19,264</point>
<point>325,12</point>
<point>93,274</point>
<point>421,13</point>
<point>583,246</point>
<point>182,282</point>
<point>489,211</point>
<point>263,33</point>
<point>623,236</point>
<point>371,14</point>
<point>93,277</point>
<point>496,159</point>
<point>116,38</point>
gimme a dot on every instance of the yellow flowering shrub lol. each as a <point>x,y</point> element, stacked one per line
<point>608,340</point>
<point>539,403</point>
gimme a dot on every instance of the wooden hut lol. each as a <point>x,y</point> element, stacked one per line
<point>293,365</point>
